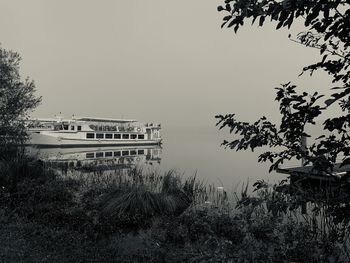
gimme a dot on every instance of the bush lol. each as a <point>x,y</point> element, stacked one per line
<point>165,220</point>
<point>15,170</point>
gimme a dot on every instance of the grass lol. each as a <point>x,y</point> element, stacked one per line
<point>151,217</point>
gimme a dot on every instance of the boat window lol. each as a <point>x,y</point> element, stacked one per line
<point>109,136</point>
<point>99,135</point>
<point>124,153</point>
<point>117,153</point>
<point>140,152</point>
<point>125,136</point>
<point>72,128</point>
<point>132,152</point>
<point>65,127</point>
<point>133,136</point>
<point>108,154</point>
<point>99,154</point>
<point>141,136</point>
<point>79,128</point>
<point>90,155</point>
<point>90,136</point>
<point>117,136</point>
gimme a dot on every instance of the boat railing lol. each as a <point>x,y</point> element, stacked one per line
<point>116,128</point>
<point>153,125</point>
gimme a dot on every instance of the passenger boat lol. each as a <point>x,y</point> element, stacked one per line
<point>89,131</point>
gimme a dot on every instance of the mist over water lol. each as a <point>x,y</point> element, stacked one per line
<point>140,61</point>
<point>196,150</point>
<point>188,150</point>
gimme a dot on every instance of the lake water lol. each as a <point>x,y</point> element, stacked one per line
<point>197,149</point>
<point>188,150</point>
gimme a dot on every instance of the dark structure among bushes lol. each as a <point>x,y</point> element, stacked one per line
<point>309,172</point>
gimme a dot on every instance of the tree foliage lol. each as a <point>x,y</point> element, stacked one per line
<point>17,99</point>
<point>327,24</point>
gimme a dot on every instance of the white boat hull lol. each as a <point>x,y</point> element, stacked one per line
<point>43,140</point>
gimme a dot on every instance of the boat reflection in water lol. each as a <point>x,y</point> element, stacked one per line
<point>91,159</point>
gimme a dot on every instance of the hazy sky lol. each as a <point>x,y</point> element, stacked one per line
<point>160,60</point>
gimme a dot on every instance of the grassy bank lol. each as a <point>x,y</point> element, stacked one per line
<point>136,217</point>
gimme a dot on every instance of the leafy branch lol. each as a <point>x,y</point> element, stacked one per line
<point>328,30</point>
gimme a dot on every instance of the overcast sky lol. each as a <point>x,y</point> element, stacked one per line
<point>161,60</point>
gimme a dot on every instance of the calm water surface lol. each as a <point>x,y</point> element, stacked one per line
<point>196,149</point>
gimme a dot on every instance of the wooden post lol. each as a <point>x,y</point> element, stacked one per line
<point>303,148</point>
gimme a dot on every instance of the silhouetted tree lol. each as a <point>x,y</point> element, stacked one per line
<point>17,99</point>
<point>327,24</point>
